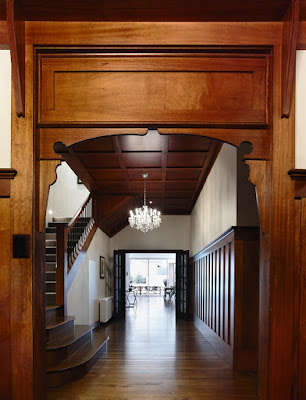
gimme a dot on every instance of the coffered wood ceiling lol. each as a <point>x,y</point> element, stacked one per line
<point>112,166</point>
<point>151,10</point>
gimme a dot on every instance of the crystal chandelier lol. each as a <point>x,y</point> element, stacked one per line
<point>145,218</point>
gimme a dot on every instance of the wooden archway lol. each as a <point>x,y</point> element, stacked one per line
<point>243,81</point>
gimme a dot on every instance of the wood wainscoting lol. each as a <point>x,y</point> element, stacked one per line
<point>226,293</point>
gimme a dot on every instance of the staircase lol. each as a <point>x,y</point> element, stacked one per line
<point>71,349</point>
<point>50,260</point>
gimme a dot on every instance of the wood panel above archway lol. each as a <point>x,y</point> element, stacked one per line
<point>223,93</point>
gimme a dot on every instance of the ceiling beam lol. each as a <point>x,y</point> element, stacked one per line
<point>164,161</point>
<point>16,37</point>
<point>290,35</point>
<point>76,165</point>
<point>118,152</point>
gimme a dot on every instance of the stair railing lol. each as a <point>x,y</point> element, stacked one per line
<point>78,230</point>
<point>71,240</point>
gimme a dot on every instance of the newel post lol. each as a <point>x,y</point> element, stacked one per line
<point>61,266</point>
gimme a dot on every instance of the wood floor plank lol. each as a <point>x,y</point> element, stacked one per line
<point>151,357</point>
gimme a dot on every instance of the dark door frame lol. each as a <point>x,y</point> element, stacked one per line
<point>176,252</point>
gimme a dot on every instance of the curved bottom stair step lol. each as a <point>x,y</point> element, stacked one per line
<point>63,347</point>
<point>80,362</point>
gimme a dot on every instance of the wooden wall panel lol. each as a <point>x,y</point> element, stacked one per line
<point>228,289</point>
<point>5,299</point>
<point>153,33</point>
<point>302,330</point>
<point>148,88</point>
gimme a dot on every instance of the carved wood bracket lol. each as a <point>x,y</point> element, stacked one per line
<point>260,178</point>
<point>48,176</point>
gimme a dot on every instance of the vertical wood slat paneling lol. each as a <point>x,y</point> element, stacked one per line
<point>196,296</point>
<point>222,292</point>
<point>213,292</point>
<point>210,291</point>
<point>207,289</point>
<point>217,329</point>
<point>230,292</point>
<point>204,288</point>
<point>225,273</point>
<point>201,288</point>
<point>226,293</point>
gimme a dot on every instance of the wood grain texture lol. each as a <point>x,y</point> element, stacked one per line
<point>301,40</point>
<point>69,136</point>
<point>6,175</point>
<point>260,139</point>
<point>302,324</point>
<point>299,178</point>
<point>230,298</point>
<point>290,35</point>
<point>22,327</point>
<point>276,344</point>
<point>79,90</point>
<point>153,33</point>
<point>47,172</point>
<point>16,36</point>
<point>282,247</point>
<point>171,361</point>
<point>4,40</point>
<point>5,300</point>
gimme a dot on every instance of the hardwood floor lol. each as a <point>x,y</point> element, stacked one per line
<point>151,357</point>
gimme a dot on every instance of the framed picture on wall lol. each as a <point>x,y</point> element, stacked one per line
<point>102,267</point>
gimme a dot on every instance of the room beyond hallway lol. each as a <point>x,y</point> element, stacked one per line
<point>150,356</point>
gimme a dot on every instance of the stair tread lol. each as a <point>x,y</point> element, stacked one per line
<point>63,341</point>
<point>84,354</point>
<point>59,321</point>
<point>53,307</point>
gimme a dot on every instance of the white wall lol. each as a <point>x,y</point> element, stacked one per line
<point>87,287</point>
<point>5,109</point>
<point>300,110</point>
<point>66,196</point>
<point>216,208</point>
<point>173,234</point>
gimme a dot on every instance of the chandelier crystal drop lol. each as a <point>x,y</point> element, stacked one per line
<point>145,219</point>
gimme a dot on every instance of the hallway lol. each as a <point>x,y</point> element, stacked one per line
<point>150,357</point>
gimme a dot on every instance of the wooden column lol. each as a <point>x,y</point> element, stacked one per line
<point>282,248</point>
<point>24,342</point>
<point>298,176</point>
<point>5,283</point>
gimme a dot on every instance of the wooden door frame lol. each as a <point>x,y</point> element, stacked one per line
<point>269,175</point>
